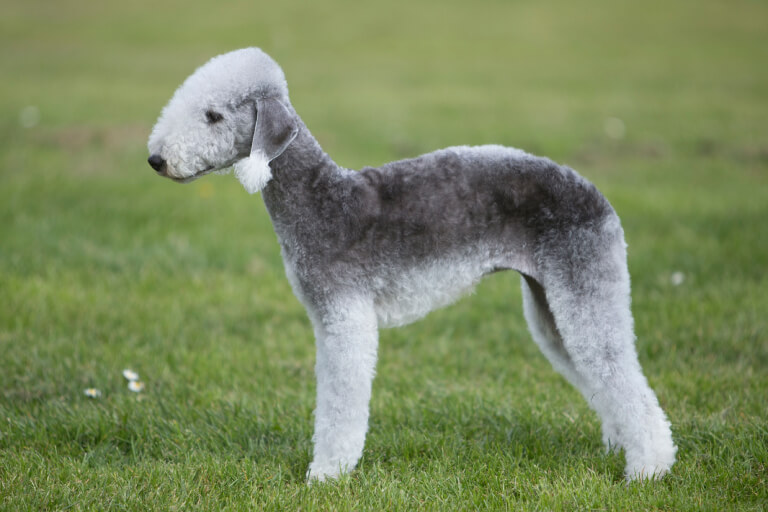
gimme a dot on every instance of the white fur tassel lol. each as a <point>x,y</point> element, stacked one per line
<point>253,172</point>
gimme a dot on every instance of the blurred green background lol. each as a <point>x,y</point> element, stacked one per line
<point>104,266</point>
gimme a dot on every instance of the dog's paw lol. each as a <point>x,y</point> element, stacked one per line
<point>322,473</point>
<point>646,472</point>
<point>651,468</point>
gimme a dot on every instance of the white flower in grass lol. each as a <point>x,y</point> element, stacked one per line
<point>136,386</point>
<point>677,278</point>
<point>130,375</point>
<point>92,393</point>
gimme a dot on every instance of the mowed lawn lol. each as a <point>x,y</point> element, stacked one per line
<point>103,266</point>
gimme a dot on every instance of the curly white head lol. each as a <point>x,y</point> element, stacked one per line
<point>230,111</point>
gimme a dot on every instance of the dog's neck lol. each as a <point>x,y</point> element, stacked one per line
<point>301,167</point>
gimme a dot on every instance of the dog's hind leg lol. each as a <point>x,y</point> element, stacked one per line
<point>543,329</point>
<point>586,289</point>
<point>347,340</point>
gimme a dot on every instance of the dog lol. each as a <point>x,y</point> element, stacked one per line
<point>383,246</point>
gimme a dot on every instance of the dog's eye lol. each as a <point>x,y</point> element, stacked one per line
<point>213,117</point>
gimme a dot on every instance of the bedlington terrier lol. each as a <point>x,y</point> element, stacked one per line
<point>384,246</point>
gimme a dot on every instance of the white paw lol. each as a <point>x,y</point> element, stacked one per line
<point>654,466</point>
<point>323,472</point>
<point>647,472</point>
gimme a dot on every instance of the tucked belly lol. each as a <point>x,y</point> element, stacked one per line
<point>407,295</point>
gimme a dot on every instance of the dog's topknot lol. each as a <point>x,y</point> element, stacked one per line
<point>250,73</point>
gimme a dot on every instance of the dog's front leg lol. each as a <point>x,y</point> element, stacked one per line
<point>347,339</point>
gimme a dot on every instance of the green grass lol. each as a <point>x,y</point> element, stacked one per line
<point>104,267</point>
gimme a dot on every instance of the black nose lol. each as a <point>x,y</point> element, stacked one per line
<point>157,162</point>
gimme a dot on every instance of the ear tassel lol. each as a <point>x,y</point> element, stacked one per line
<point>253,172</point>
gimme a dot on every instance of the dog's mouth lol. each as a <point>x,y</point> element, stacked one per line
<point>223,169</point>
<point>187,179</point>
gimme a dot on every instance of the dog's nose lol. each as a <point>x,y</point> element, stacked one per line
<point>157,162</point>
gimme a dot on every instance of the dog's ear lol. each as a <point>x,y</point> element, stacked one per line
<point>275,129</point>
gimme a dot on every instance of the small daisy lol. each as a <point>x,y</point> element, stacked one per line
<point>136,386</point>
<point>92,393</point>
<point>130,375</point>
<point>677,278</point>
